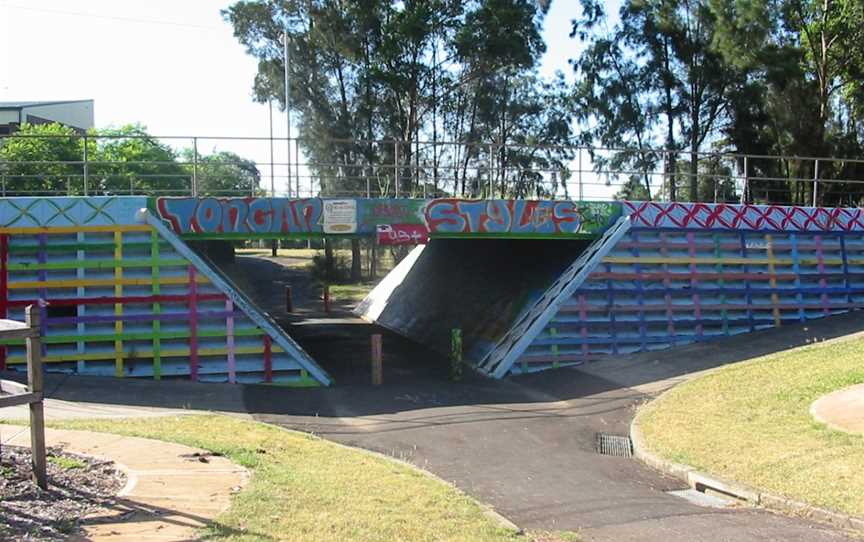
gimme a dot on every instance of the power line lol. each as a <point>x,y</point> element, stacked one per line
<point>111,17</point>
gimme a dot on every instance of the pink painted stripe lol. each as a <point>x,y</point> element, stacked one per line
<point>820,261</point>
<point>229,332</point>
<point>694,283</point>
<point>193,325</point>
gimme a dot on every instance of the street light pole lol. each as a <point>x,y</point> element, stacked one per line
<point>288,108</point>
<point>274,244</point>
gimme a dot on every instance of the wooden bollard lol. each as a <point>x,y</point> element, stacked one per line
<point>377,361</point>
<point>456,355</point>
<point>289,300</point>
<point>327,298</point>
<point>35,385</point>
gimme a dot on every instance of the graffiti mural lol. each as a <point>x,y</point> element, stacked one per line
<point>519,217</point>
<point>724,216</point>
<point>419,219</point>
<point>226,216</point>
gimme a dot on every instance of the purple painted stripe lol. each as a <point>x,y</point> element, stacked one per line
<point>137,317</point>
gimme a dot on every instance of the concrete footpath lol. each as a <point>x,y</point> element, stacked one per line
<point>169,492</point>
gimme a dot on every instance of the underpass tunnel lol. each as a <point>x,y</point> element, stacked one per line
<point>479,286</point>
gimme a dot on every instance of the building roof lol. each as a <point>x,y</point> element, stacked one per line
<point>21,105</point>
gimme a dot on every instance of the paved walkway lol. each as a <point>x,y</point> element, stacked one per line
<point>524,445</point>
<point>842,410</point>
<point>169,494</point>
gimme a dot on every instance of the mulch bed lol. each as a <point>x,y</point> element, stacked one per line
<point>77,486</point>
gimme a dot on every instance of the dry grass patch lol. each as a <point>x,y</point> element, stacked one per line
<point>750,422</point>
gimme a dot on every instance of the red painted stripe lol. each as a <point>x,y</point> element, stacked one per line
<point>268,360</point>
<point>4,294</point>
<point>125,300</point>
<point>193,325</point>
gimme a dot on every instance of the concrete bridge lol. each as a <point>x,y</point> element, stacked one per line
<point>533,284</point>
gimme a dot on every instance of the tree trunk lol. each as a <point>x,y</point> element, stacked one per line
<point>356,261</point>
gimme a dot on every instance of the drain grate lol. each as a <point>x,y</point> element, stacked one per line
<point>616,445</point>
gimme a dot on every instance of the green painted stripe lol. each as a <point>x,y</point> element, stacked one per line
<point>157,307</point>
<point>74,247</point>
<point>85,264</point>
<point>110,337</point>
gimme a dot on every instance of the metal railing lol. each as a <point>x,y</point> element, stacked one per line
<point>298,167</point>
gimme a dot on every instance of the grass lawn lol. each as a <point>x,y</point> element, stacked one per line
<point>750,422</point>
<point>307,489</point>
<point>353,293</point>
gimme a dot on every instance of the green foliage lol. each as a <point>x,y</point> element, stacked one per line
<point>66,463</point>
<point>759,77</point>
<point>42,158</point>
<point>406,72</point>
<point>49,159</point>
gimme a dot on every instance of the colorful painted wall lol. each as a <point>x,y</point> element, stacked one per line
<point>118,297</point>
<point>244,218</point>
<point>682,273</point>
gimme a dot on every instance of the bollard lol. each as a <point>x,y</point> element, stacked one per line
<point>377,361</point>
<point>456,355</point>
<point>327,298</point>
<point>289,300</point>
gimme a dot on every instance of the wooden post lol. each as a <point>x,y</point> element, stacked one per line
<point>37,414</point>
<point>456,355</point>
<point>289,300</point>
<point>327,298</point>
<point>377,361</point>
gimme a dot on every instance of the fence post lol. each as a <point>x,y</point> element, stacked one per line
<point>377,361</point>
<point>37,413</point>
<point>815,181</point>
<point>195,167</point>
<point>744,187</point>
<point>456,355</point>
<point>86,167</point>
<point>581,193</point>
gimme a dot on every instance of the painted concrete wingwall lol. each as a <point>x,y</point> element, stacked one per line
<point>695,272</point>
<point>117,298</point>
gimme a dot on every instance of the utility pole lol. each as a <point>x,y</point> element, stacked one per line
<point>287,56</point>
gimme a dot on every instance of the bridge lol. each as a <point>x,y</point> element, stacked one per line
<point>534,285</point>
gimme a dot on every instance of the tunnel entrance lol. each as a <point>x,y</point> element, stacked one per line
<point>338,340</point>
<point>479,285</point>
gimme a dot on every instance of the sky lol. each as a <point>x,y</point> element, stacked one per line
<point>173,66</point>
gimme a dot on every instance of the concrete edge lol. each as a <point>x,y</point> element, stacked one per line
<point>700,481</point>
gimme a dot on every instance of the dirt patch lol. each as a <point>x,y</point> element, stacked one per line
<point>77,487</point>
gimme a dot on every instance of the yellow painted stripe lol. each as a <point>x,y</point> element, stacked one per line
<point>149,355</point>
<point>102,282</point>
<point>118,307</point>
<point>73,229</point>
<point>775,300</point>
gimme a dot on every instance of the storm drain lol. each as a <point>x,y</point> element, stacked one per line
<point>616,445</point>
